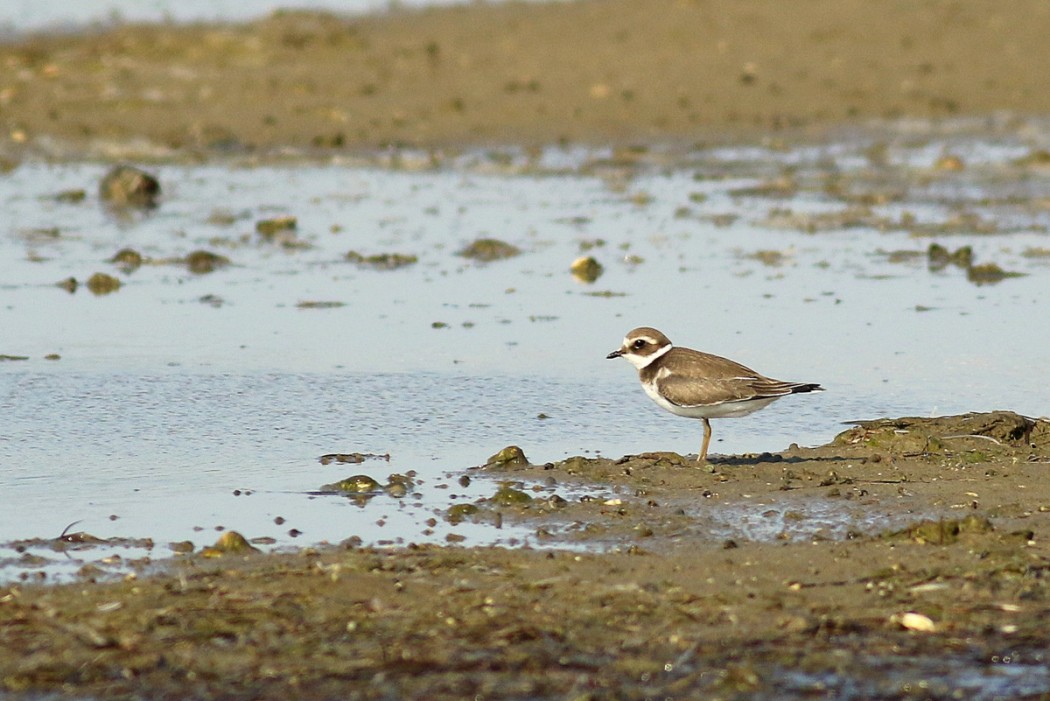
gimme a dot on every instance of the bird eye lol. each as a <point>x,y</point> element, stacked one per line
<point>638,344</point>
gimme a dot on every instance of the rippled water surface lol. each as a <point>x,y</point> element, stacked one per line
<point>185,403</point>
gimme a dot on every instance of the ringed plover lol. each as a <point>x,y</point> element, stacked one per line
<point>700,385</point>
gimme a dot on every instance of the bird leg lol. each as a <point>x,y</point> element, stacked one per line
<point>707,441</point>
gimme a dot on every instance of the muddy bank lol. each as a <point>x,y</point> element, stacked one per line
<point>948,599</point>
<point>613,71</point>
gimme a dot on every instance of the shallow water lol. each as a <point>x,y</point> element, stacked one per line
<point>186,403</point>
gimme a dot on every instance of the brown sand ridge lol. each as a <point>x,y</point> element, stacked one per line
<point>609,71</point>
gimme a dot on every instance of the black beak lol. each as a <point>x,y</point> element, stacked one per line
<point>614,354</point>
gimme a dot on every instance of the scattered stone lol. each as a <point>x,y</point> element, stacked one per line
<point>127,258</point>
<point>102,284</point>
<point>943,532</point>
<point>355,484</point>
<point>1035,158</point>
<point>509,496</point>
<point>1000,430</point>
<point>270,228</point>
<point>988,274</point>
<point>939,257</point>
<point>903,255</point>
<point>316,304</point>
<point>586,269</point>
<point>212,300</point>
<point>914,621</point>
<point>382,261</point>
<point>202,262</point>
<point>398,485</point>
<point>783,186</point>
<point>351,458</point>
<point>229,543</point>
<point>71,196</point>
<point>770,258</point>
<point>948,162</point>
<point>221,217</point>
<point>511,456</point>
<point>127,186</point>
<point>487,250</point>
<point>460,512</point>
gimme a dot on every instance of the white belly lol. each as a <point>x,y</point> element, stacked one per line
<point>709,411</point>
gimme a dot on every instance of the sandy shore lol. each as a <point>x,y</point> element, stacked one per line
<point>671,612</point>
<point>608,71</point>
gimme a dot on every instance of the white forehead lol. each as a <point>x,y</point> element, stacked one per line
<point>631,338</point>
<point>641,361</point>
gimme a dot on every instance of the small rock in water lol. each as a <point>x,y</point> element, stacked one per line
<point>487,250</point>
<point>586,269</point>
<point>988,274</point>
<point>509,496</point>
<point>940,257</point>
<point>127,186</point>
<point>102,284</point>
<point>201,262</point>
<point>355,484</point>
<point>511,455</point>
<point>914,621</point>
<point>382,261</point>
<point>230,542</point>
<point>127,258</point>
<point>269,228</point>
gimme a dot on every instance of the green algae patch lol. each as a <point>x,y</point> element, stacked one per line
<point>355,484</point>
<point>270,228</point>
<point>319,304</point>
<point>382,261</point>
<point>75,196</point>
<point>201,262</point>
<point>128,259</point>
<point>457,513</point>
<point>351,458</point>
<point>398,485</point>
<point>511,456</point>
<point>487,250</point>
<point>507,495</point>
<point>229,543</point>
<point>102,284</point>
<point>989,434</point>
<point>989,274</point>
<point>939,257</point>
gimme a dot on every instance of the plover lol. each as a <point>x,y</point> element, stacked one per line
<point>700,385</point>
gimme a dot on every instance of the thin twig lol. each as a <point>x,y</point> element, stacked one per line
<point>972,435</point>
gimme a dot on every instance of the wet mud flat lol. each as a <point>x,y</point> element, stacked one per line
<point>594,71</point>
<point>946,599</point>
